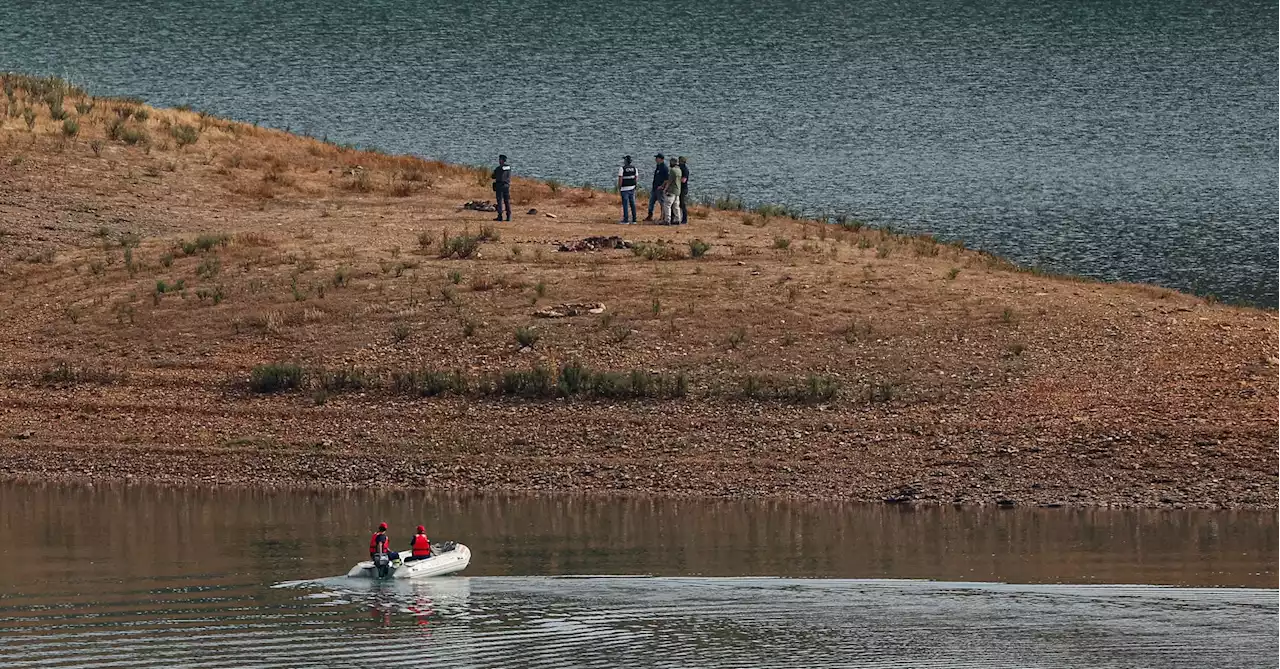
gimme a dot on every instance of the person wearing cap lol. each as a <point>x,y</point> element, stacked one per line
<point>502,187</point>
<point>684,191</point>
<point>660,174</point>
<point>420,545</point>
<point>379,543</point>
<point>671,195</point>
<point>627,177</point>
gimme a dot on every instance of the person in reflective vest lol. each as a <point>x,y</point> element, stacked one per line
<point>420,545</point>
<point>380,543</point>
<point>627,188</point>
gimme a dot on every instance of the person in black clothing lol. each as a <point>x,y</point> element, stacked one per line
<point>660,173</point>
<point>502,187</point>
<point>684,192</point>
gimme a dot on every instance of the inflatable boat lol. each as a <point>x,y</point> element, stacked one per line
<point>446,558</point>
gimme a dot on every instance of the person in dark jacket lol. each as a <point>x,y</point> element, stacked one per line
<point>684,192</point>
<point>660,173</point>
<point>502,187</point>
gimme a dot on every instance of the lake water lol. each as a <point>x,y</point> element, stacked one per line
<point>135,576</point>
<point>1121,139</point>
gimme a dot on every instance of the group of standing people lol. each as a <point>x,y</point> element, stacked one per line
<point>670,190</point>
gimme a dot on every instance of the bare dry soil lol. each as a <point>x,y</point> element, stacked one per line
<point>152,258</point>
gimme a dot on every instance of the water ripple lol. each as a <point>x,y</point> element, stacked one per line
<point>645,621</point>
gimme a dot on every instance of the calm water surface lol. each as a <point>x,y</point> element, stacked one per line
<point>1122,139</point>
<point>142,576</point>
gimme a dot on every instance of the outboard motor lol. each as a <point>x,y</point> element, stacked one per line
<point>382,563</point>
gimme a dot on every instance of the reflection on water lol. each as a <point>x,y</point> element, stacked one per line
<point>142,576</point>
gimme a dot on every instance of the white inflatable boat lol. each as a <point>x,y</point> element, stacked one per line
<point>446,558</point>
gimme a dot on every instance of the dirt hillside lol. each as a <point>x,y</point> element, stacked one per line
<point>151,259</point>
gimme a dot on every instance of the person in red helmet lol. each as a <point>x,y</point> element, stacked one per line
<point>420,545</point>
<point>380,543</point>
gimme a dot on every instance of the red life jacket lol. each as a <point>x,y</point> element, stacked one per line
<point>421,546</point>
<point>375,540</point>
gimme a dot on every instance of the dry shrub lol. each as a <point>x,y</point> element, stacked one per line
<point>271,322</point>
<point>402,189</point>
<point>253,238</point>
<point>358,181</point>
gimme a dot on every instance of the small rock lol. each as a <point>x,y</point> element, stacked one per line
<point>27,434</point>
<point>531,212</point>
<point>550,215</point>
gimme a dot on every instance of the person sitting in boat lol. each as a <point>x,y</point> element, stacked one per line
<point>379,543</point>
<point>420,545</point>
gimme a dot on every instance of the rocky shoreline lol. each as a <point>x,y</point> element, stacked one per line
<point>682,448</point>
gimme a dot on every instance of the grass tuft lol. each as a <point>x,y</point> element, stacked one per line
<point>658,250</point>
<point>527,336</point>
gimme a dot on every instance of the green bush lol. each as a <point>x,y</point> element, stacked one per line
<point>131,136</point>
<point>849,224</point>
<point>819,389</point>
<point>698,248</point>
<point>536,382</point>
<point>526,336</point>
<point>70,127</point>
<point>206,242</point>
<point>209,267</point>
<point>275,377</point>
<point>461,247</point>
<point>63,373</point>
<point>428,383</point>
<point>574,379</point>
<point>655,251</point>
<point>728,202</point>
<point>184,134</point>
<point>339,380</point>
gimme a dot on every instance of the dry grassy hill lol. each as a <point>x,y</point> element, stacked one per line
<point>151,259</point>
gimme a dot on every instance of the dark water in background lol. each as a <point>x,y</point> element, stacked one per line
<point>142,576</point>
<point>1123,139</point>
